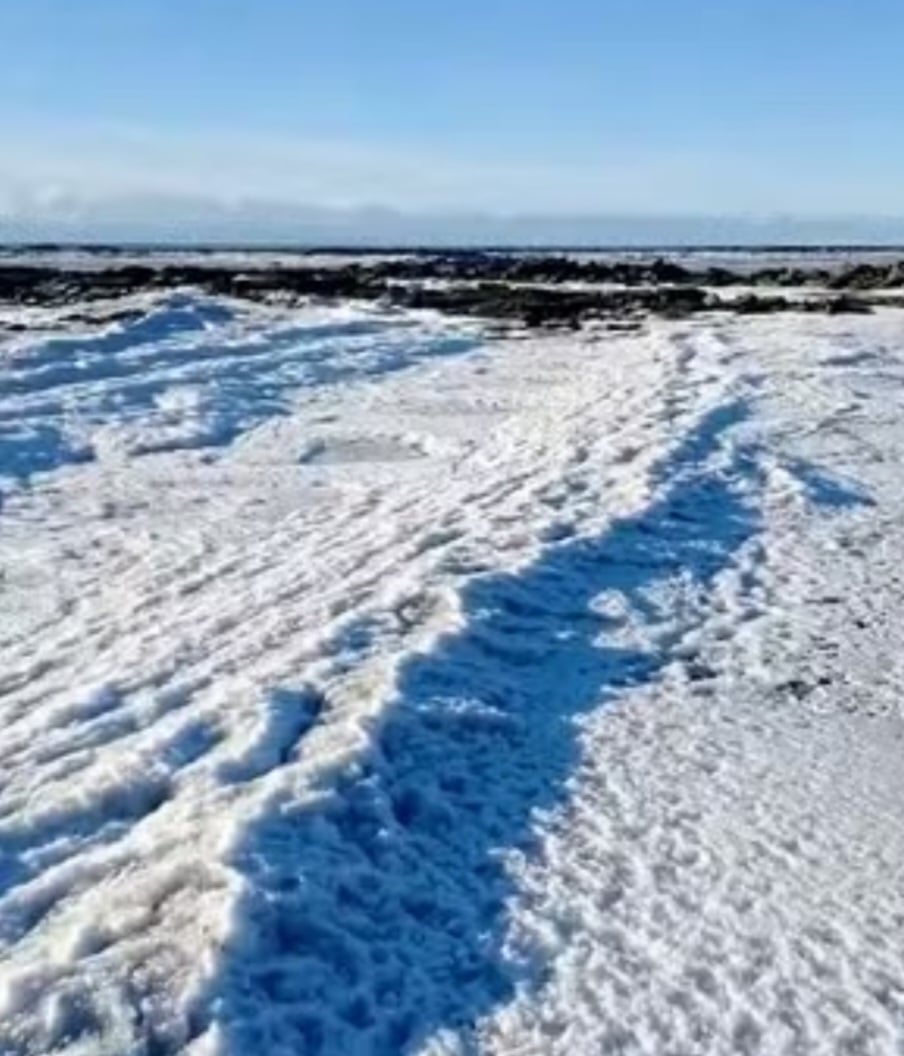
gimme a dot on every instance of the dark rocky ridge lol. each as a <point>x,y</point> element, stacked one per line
<point>534,290</point>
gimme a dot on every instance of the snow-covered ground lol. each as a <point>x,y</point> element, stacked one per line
<point>370,687</point>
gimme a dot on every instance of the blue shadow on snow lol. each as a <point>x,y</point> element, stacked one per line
<point>35,449</point>
<point>378,920</point>
<point>123,374</point>
<point>827,490</point>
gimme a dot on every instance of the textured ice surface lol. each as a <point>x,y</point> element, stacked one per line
<point>371,689</point>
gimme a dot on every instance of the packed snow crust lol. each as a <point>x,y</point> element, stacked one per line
<point>370,687</point>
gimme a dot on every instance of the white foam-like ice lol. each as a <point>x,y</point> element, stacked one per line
<point>371,688</point>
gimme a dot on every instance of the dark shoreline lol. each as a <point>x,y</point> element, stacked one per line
<point>535,290</point>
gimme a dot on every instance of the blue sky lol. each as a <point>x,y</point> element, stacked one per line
<point>529,106</point>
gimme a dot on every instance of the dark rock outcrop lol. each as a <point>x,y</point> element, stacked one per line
<point>536,290</point>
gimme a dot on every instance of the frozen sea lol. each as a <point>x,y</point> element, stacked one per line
<point>373,686</point>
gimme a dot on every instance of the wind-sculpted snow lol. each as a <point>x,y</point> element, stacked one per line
<point>380,918</point>
<point>185,373</point>
<point>372,687</point>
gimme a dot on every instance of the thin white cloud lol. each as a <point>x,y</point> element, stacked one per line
<point>132,182</point>
<point>98,161</point>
